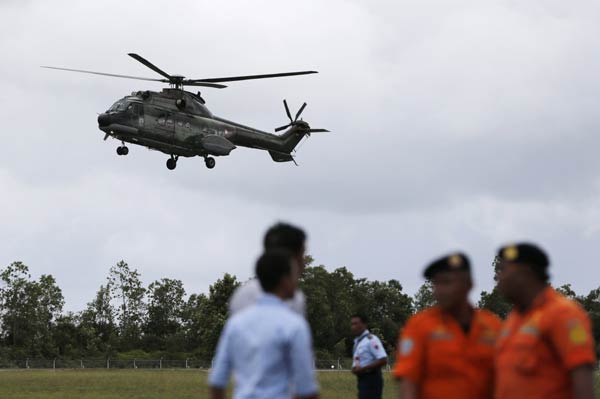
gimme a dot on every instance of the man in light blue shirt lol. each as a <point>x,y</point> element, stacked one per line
<point>368,357</point>
<point>267,346</point>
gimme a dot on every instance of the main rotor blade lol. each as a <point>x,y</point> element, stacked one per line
<point>150,65</point>
<point>287,110</point>
<point>300,111</point>
<point>204,84</point>
<point>318,130</point>
<point>106,74</point>
<point>250,77</point>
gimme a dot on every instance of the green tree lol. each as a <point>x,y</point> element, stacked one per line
<point>423,299</point>
<point>98,323</point>
<point>591,303</point>
<point>206,316</point>
<point>164,317</point>
<point>15,311</point>
<point>127,291</point>
<point>333,297</point>
<point>494,301</point>
<point>28,311</point>
<point>567,291</point>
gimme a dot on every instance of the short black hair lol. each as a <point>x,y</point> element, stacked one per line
<point>286,236</point>
<point>363,318</point>
<point>271,267</point>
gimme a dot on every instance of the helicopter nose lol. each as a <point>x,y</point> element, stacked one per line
<point>103,120</point>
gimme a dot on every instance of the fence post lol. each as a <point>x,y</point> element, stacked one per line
<point>186,364</point>
<point>339,365</point>
<point>27,363</point>
<point>81,362</point>
<point>160,364</point>
<point>54,364</point>
<point>107,362</point>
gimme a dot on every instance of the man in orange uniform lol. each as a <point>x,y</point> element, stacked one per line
<point>447,351</point>
<point>545,349</point>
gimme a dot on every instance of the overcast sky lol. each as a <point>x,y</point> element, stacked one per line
<point>455,125</point>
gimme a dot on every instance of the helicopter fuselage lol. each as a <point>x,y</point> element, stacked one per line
<point>178,123</point>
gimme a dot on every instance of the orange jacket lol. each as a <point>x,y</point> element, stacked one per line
<point>538,349</point>
<point>444,362</point>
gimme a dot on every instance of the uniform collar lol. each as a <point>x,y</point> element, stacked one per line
<point>270,299</point>
<point>365,333</point>
<point>544,296</point>
<point>446,317</point>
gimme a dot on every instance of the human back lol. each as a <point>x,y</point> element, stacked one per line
<point>264,354</point>
<point>267,347</point>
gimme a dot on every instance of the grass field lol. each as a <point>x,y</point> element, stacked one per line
<point>144,384</point>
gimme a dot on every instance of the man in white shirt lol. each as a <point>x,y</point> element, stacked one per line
<point>280,236</point>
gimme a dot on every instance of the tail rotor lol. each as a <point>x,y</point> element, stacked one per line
<point>293,122</point>
<point>298,122</point>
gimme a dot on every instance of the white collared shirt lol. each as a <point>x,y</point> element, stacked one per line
<point>249,293</point>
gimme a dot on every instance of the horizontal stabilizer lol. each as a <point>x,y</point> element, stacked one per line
<point>281,156</point>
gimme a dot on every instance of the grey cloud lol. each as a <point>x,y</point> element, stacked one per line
<point>455,125</point>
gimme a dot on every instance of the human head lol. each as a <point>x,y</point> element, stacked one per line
<point>288,237</point>
<point>358,324</point>
<point>277,273</point>
<point>451,279</point>
<point>521,268</point>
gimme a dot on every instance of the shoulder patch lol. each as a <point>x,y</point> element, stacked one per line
<point>577,333</point>
<point>406,346</point>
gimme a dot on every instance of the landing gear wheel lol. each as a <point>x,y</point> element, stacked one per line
<point>210,162</point>
<point>122,150</point>
<point>171,163</point>
<point>119,151</point>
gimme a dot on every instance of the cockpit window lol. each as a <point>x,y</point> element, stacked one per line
<point>119,106</point>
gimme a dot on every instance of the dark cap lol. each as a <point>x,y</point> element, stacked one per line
<point>453,262</point>
<point>524,253</point>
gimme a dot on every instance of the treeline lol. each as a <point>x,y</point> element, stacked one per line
<point>126,319</point>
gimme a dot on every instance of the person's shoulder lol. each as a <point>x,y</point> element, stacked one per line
<point>250,286</point>
<point>246,293</point>
<point>560,307</point>
<point>489,318</point>
<point>299,296</point>
<point>424,318</point>
<point>373,337</point>
<point>292,317</point>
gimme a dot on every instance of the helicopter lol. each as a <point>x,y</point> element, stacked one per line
<point>178,123</point>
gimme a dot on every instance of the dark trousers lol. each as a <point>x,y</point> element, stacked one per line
<point>370,385</point>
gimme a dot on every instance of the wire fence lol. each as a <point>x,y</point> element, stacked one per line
<point>320,364</point>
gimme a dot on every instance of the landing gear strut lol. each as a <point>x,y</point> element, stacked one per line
<point>172,162</point>
<point>122,150</point>
<point>210,162</point>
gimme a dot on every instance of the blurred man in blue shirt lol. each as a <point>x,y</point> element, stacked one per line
<point>267,346</point>
<point>368,357</point>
